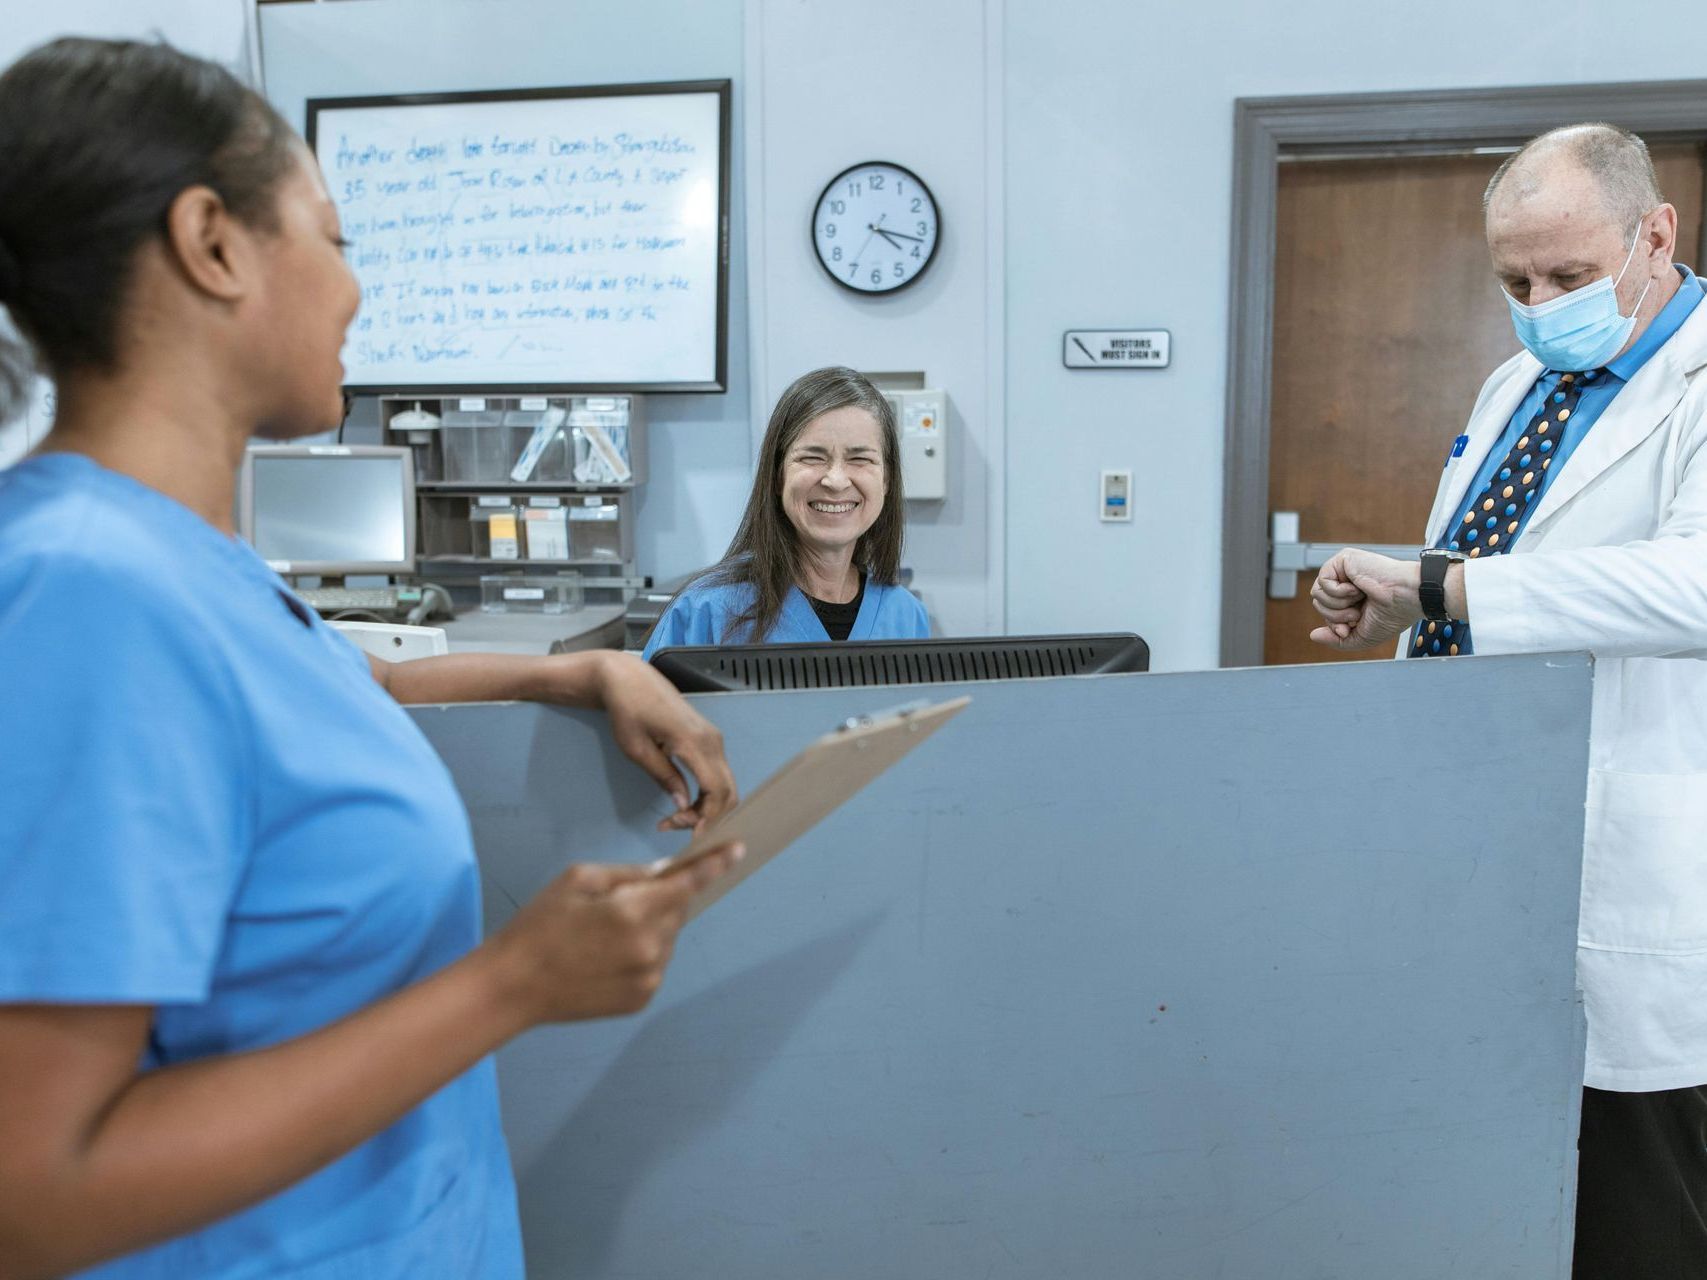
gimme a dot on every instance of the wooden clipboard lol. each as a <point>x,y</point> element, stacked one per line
<point>810,787</point>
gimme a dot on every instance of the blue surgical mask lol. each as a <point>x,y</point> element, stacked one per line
<point>1582,329</point>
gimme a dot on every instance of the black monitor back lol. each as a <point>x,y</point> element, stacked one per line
<point>858,663</point>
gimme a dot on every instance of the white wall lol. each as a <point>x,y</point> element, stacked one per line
<point>700,454</point>
<point>217,29</point>
<point>1119,180</point>
<point>806,107</point>
<point>1083,159</point>
<point>908,82</point>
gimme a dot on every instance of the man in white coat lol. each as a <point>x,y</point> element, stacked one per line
<point>1586,459</point>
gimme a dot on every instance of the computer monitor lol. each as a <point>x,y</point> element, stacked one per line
<point>329,510</point>
<point>857,663</point>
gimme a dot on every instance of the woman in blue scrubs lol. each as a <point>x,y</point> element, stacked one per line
<point>246,1016</point>
<point>819,548</point>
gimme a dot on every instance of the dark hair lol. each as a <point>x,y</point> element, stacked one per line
<point>766,551</point>
<point>97,138</point>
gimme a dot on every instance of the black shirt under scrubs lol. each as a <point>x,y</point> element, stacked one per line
<point>838,619</point>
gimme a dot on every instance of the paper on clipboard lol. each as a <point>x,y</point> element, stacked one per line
<point>810,787</point>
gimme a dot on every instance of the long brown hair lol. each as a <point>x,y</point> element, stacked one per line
<point>765,553</point>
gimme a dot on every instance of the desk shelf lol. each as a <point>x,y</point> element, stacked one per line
<point>464,455</point>
<point>488,563</point>
<point>469,487</point>
<point>596,529</point>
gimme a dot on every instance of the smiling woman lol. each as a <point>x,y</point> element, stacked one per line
<point>819,548</point>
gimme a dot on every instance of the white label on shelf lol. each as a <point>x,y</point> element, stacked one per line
<point>471,405</point>
<point>492,500</point>
<point>524,593</point>
<point>540,500</point>
<point>534,404</point>
<point>611,512</point>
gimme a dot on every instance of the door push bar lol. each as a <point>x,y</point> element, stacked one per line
<point>1288,557</point>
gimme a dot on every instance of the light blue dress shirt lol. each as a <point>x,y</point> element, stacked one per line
<point>1594,398</point>
<point>1592,402</point>
<point>208,806</point>
<point>705,614</point>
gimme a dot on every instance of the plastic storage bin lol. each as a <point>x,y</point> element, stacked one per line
<point>550,460</point>
<point>494,529</point>
<point>595,529</point>
<point>530,593</point>
<point>545,530</point>
<point>479,446</point>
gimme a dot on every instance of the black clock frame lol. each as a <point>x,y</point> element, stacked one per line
<point>910,281</point>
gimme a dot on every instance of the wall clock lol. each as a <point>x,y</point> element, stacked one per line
<point>876,227</point>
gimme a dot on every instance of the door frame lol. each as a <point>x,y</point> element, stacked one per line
<point>1264,130</point>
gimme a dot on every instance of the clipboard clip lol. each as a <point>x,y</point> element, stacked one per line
<point>903,712</point>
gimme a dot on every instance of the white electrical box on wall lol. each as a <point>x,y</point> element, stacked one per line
<point>921,418</point>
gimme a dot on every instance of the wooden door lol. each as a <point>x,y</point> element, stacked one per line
<point>1387,320</point>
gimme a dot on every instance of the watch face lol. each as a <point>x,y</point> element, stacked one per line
<point>876,227</point>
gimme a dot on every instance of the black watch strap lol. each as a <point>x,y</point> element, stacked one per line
<point>1431,589</point>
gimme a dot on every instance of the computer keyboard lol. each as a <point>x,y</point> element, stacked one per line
<point>384,600</point>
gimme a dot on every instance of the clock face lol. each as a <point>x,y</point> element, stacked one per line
<point>876,227</point>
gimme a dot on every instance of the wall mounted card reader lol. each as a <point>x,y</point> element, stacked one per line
<point>1117,495</point>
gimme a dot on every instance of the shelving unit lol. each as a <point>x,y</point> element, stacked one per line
<point>582,456</point>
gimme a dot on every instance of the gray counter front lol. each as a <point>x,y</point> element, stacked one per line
<point>1165,976</point>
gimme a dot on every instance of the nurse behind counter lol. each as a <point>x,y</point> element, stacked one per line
<point>819,548</point>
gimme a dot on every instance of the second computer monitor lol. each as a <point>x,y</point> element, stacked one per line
<point>858,663</point>
<point>329,510</point>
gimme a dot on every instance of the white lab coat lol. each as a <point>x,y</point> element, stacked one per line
<point>1614,560</point>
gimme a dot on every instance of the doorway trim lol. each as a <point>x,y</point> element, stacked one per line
<point>1264,130</point>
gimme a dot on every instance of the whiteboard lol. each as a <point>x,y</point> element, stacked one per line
<point>550,239</point>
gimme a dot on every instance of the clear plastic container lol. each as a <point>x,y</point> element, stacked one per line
<point>545,530</point>
<point>477,445</point>
<point>552,461</point>
<point>595,530</point>
<point>494,528</point>
<point>530,593</point>
<point>600,441</point>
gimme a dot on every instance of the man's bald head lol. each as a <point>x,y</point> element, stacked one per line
<point>1575,208</point>
<point>1615,161</point>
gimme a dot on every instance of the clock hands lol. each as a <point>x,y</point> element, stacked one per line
<point>886,234</point>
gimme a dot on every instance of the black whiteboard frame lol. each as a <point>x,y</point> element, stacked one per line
<point>724,91</point>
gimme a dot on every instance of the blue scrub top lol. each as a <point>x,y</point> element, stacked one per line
<point>208,805</point>
<point>705,615</point>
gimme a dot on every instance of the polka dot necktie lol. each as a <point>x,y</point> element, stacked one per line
<point>1491,521</point>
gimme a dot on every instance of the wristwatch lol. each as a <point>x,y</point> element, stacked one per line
<point>1431,591</point>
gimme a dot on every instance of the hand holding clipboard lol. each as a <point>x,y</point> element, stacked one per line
<point>806,790</point>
